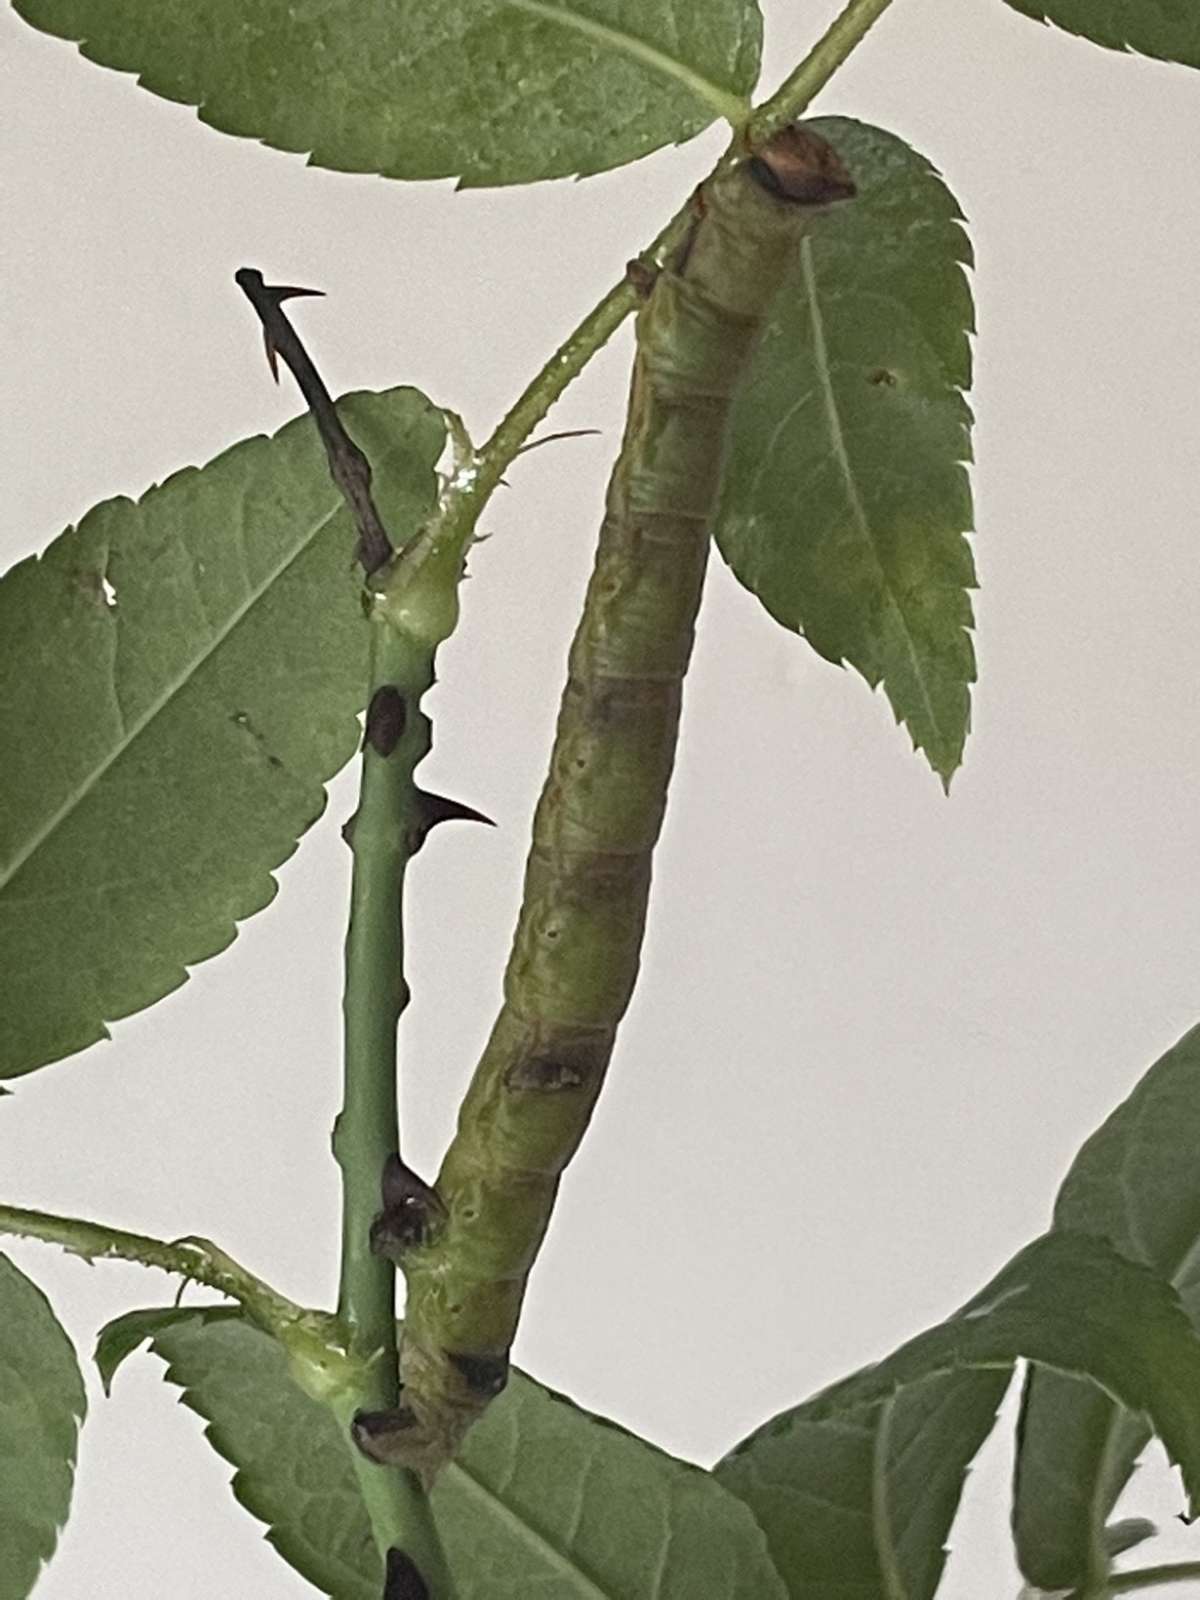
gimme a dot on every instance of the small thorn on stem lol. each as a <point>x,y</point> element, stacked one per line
<point>551,438</point>
<point>435,808</point>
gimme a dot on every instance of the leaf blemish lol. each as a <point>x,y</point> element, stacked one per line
<point>884,376</point>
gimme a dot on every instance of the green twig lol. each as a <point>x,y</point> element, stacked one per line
<point>800,87</point>
<point>388,825</point>
<point>197,1260</point>
<point>412,606</point>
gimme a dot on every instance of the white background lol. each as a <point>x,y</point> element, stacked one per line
<point>874,1024</point>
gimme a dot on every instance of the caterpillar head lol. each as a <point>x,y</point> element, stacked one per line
<point>799,165</point>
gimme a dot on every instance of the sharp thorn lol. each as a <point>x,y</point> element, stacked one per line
<point>288,291</point>
<point>269,347</point>
<point>440,808</point>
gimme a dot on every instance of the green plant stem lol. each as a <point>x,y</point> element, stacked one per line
<point>384,832</point>
<point>800,87</point>
<point>367,1129</point>
<point>1145,1578</point>
<point>197,1260</point>
<point>398,1510</point>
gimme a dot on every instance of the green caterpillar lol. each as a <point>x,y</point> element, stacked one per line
<point>578,939</point>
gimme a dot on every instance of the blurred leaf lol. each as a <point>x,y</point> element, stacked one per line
<point>490,91</point>
<point>1067,1300</point>
<point>1127,1534</point>
<point>1136,1183</point>
<point>545,1500</point>
<point>182,675</point>
<point>42,1404</point>
<point>1168,29</point>
<point>845,498</point>
<point>861,1500</point>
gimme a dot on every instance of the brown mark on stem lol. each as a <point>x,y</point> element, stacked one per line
<point>404,1580</point>
<point>387,716</point>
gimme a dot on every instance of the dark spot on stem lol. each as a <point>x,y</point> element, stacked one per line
<point>883,375</point>
<point>386,717</point>
<point>484,1375</point>
<point>404,1580</point>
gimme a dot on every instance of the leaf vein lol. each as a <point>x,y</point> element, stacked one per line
<point>173,687</point>
<point>842,457</point>
<point>730,106</point>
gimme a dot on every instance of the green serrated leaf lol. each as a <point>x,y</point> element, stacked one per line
<point>1167,29</point>
<point>1135,1183</point>
<point>1068,1301</point>
<point>544,1499</point>
<point>547,1499</point>
<point>182,675</point>
<point>845,498</point>
<point>489,91</point>
<point>863,1499</point>
<point>42,1404</point>
<point>119,1338</point>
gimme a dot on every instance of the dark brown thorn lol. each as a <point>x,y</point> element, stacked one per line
<point>350,469</point>
<point>440,808</point>
<point>272,362</point>
<point>289,291</point>
<point>278,293</point>
<point>435,808</point>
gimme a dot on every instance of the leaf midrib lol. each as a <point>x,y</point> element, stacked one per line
<point>730,106</point>
<point>172,687</point>
<point>841,455</point>
<point>881,1521</point>
<point>528,1534</point>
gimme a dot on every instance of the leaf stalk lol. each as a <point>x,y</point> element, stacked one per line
<point>193,1259</point>
<point>798,90</point>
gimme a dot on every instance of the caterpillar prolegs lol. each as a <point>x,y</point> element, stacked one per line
<point>579,935</point>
